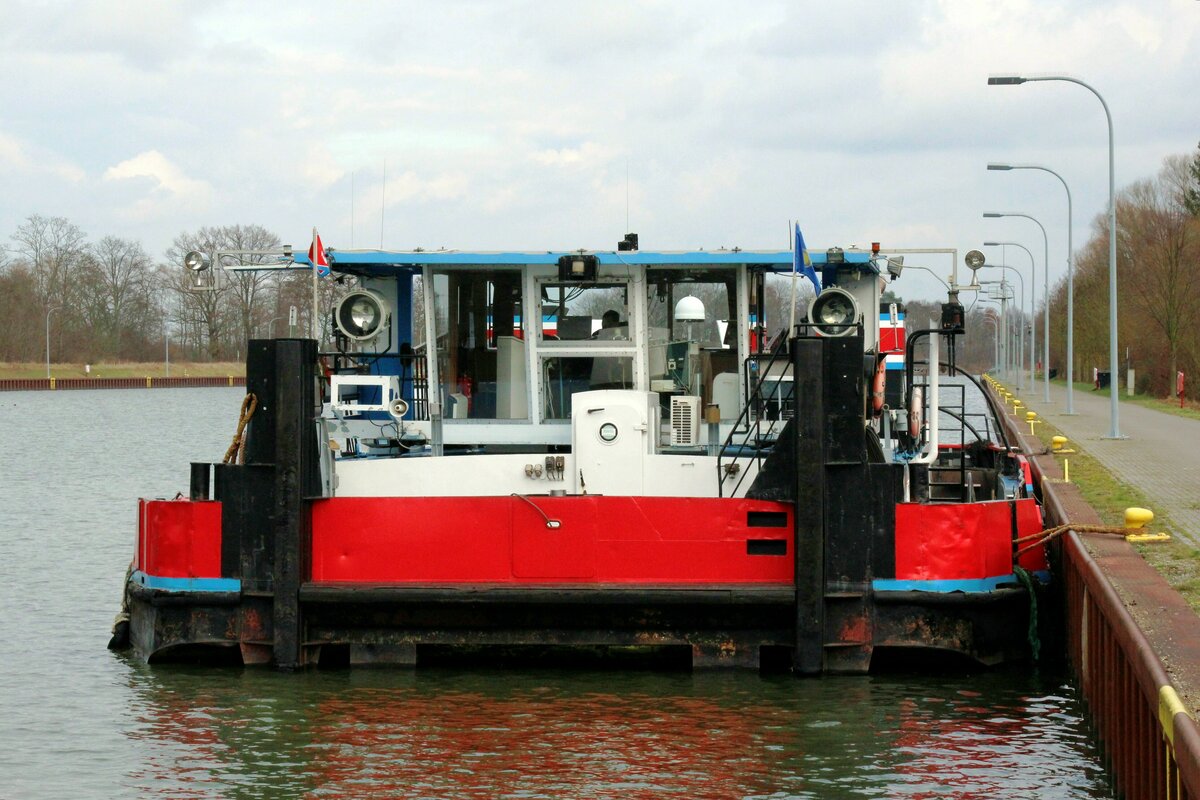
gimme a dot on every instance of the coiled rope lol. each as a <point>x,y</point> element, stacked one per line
<point>236,454</point>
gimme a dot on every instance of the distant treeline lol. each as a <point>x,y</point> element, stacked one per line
<point>1158,284</point>
<point>1158,291</point>
<point>108,300</point>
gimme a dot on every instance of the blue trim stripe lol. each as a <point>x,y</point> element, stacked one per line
<point>777,260</point>
<point>970,585</point>
<point>186,584</point>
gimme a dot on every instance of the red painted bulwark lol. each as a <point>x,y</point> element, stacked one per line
<point>506,540</point>
<point>961,541</point>
<point>179,538</point>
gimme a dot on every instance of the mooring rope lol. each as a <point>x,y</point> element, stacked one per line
<point>1035,642</point>
<point>1046,536</point>
<point>237,449</point>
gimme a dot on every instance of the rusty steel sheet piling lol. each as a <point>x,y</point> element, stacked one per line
<point>1132,641</point>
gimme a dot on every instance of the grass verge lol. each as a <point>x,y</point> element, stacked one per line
<point>1190,409</point>
<point>153,369</point>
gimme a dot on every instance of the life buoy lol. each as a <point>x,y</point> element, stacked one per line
<point>915,412</point>
<point>877,388</point>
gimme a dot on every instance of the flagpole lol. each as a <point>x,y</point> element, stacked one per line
<point>792,312</point>
<point>316,325</point>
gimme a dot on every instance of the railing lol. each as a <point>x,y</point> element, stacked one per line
<point>764,414</point>
<point>1148,737</point>
<point>48,384</point>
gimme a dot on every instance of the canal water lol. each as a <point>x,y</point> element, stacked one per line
<point>78,721</point>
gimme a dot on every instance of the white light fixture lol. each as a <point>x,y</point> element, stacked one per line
<point>689,309</point>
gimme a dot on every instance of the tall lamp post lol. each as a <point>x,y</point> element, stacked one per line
<point>1021,324</point>
<point>1114,411</point>
<point>49,311</point>
<point>1032,307</point>
<point>1070,280</point>
<point>996,344</point>
<point>1045,297</point>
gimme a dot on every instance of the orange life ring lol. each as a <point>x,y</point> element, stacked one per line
<point>915,412</point>
<point>877,388</point>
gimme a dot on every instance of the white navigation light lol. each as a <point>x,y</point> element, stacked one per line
<point>196,261</point>
<point>689,309</point>
<point>362,314</point>
<point>834,312</point>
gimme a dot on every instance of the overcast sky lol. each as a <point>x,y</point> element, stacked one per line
<point>513,125</point>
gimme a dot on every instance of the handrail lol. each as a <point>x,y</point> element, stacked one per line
<point>757,401</point>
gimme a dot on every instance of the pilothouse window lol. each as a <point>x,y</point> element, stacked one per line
<point>693,335</point>
<point>574,312</point>
<point>481,349</point>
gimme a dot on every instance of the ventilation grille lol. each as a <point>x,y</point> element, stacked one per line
<point>685,420</point>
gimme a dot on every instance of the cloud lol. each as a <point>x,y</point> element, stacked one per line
<point>22,158</point>
<point>167,184</point>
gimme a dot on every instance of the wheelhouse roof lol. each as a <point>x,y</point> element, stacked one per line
<point>382,262</point>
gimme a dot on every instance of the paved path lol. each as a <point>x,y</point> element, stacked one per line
<point>1161,455</point>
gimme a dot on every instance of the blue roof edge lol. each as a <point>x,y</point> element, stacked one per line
<point>776,260</point>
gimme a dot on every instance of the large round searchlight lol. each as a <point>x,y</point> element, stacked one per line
<point>834,312</point>
<point>196,261</point>
<point>362,314</point>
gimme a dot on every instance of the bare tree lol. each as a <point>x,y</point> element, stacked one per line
<point>1159,238</point>
<point>120,273</point>
<point>51,247</point>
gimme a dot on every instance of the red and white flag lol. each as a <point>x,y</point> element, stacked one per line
<point>316,254</point>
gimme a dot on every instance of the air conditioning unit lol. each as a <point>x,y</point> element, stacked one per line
<point>685,420</point>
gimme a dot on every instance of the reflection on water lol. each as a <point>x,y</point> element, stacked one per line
<point>552,734</point>
<point>76,721</point>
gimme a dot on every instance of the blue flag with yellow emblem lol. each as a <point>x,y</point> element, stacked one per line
<point>802,264</point>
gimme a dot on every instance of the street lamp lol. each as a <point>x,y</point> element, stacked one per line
<point>1002,298</point>
<point>1114,412</point>
<point>1070,280</point>
<point>1001,335</point>
<point>1045,295</point>
<point>48,313</point>
<point>1032,308</point>
<point>1021,328</point>
<point>996,343</point>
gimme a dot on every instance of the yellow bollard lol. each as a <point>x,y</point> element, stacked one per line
<point>1031,418</point>
<point>1058,445</point>
<point>148,382</point>
<point>52,383</point>
<point>1138,518</point>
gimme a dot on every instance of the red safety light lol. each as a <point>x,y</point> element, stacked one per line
<point>874,248</point>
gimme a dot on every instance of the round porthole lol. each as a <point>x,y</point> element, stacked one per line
<point>608,433</point>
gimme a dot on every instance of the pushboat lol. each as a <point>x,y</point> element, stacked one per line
<point>599,450</point>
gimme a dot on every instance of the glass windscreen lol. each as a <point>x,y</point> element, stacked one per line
<point>573,312</point>
<point>563,377</point>
<point>482,361</point>
<point>693,335</point>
